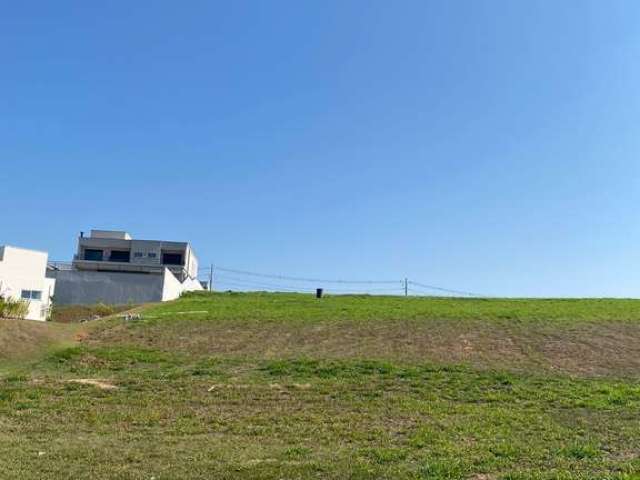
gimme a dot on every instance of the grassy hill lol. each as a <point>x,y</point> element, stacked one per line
<point>21,341</point>
<point>287,386</point>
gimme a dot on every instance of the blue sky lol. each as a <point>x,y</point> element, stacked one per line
<point>489,146</point>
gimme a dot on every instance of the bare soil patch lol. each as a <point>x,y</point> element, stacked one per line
<point>82,313</point>
<point>101,384</point>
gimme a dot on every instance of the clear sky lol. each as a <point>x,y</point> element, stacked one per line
<point>490,146</point>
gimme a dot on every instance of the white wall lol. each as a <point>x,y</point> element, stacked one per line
<point>22,269</point>
<point>191,285</point>
<point>172,288</point>
<point>192,267</point>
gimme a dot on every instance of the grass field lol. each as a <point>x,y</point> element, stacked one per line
<point>283,386</point>
<point>22,341</point>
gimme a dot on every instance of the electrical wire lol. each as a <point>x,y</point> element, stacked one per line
<point>442,289</point>
<point>223,278</point>
<point>249,286</point>
<point>242,281</point>
<point>303,279</point>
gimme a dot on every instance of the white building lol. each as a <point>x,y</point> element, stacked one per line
<point>22,276</point>
<point>112,267</point>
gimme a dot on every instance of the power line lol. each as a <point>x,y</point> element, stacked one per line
<point>224,280</point>
<point>364,290</point>
<point>402,286</point>
<point>302,279</point>
<point>442,289</point>
<point>245,285</point>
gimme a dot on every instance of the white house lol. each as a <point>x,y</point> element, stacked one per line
<point>22,276</point>
<point>112,267</point>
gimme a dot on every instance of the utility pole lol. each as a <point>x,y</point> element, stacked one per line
<point>211,278</point>
<point>406,287</point>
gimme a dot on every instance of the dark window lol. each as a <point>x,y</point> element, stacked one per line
<point>138,254</point>
<point>31,294</point>
<point>172,258</point>
<point>95,255</point>
<point>151,255</point>
<point>119,256</point>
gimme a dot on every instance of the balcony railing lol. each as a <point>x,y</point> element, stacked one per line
<point>59,265</point>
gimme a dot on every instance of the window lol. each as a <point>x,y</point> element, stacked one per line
<point>172,258</point>
<point>95,255</point>
<point>31,295</point>
<point>152,255</point>
<point>138,254</point>
<point>119,256</point>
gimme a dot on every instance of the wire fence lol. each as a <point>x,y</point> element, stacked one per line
<point>230,279</point>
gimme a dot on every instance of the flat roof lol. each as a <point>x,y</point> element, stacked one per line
<point>117,234</point>
<point>134,240</point>
<point>123,235</point>
<point>2,247</point>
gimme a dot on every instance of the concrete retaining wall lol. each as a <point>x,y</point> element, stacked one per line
<point>76,287</point>
<point>86,287</point>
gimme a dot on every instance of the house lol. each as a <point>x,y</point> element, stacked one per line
<point>22,276</point>
<point>113,268</point>
<point>114,251</point>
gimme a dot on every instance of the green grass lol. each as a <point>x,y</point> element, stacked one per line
<point>23,340</point>
<point>577,337</point>
<point>273,386</point>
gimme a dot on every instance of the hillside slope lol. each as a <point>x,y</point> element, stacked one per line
<point>22,340</point>
<point>271,386</point>
<point>579,337</point>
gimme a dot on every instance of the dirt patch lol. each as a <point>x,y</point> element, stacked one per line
<point>80,336</point>
<point>83,313</point>
<point>102,385</point>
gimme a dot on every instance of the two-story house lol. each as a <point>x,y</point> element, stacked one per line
<point>113,268</point>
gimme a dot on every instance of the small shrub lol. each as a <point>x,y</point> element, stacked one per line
<point>13,308</point>
<point>104,310</point>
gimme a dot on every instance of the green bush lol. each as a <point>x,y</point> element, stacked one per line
<point>104,310</point>
<point>10,308</point>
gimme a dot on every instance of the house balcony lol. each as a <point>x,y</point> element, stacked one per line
<point>127,267</point>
